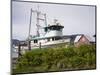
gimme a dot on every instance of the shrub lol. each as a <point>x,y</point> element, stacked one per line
<point>56,59</point>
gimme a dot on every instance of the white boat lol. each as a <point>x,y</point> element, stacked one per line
<point>53,33</point>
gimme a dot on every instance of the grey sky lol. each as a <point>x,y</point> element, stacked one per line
<point>75,19</point>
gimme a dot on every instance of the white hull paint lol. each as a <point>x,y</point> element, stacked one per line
<point>49,44</point>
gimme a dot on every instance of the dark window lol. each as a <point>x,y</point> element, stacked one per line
<point>48,39</point>
<point>53,39</point>
<point>35,41</point>
<point>57,38</point>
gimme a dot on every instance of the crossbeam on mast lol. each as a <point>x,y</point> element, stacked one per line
<point>38,13</point>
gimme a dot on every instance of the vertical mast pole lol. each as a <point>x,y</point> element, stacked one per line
<point>29,42</point>
<point>30,23</point>
<point>38,34</point>
<point>45,20</point>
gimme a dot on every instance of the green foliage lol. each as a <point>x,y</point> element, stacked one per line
<point>57,59</point>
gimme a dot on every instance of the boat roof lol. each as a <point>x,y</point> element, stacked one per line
<point>54,26</point>
<point>64,37</point>
<point>43,37</point>
<point>77,38</point>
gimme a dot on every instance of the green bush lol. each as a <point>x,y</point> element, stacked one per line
<point>57,59</point>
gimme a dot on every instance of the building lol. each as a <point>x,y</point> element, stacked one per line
<point>79,39</point>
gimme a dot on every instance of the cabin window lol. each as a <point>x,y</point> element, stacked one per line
<point>57,38</point>
<point>35,41</point>
<point>53,39</point>
<point>48,39</point>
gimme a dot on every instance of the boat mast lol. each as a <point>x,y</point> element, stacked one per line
<point>30,23</point>
<point>38,13</point>
<point>45,20</point>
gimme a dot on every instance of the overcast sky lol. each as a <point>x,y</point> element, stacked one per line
<point>75,19</point>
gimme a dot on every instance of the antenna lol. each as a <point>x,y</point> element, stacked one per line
<point>55,21</point>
